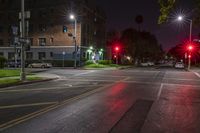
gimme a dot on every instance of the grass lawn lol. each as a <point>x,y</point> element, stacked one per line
<point>9,73</point>
<point>8,81</point>
<point>100,66</point>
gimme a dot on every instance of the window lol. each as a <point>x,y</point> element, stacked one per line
<point>52,10</point>
<point>31,28</point>
<point>42,27</point>
<point>2,1</point>
<point>51,54</point>
<point>42,41</point>
<point>1,42</point>
<point>10,42</point>
<point>51,40</point>
<point>1,54</point>
<point>41,55</point>
<point>11,56</point>
<point>42,14</point>
<point>1,28</point>
<point>29,55</point>
<point>31,41</point>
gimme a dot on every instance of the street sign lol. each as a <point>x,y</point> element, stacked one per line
<point>16,40</point>
<point>24,40</point>
<point>27,15</point>
<point>15,30</point>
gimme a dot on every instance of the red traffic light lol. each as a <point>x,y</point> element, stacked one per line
<point>116,48</point>
<point>189,56</point>
<point>190,47</point>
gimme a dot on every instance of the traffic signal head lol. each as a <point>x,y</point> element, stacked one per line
<point>116,49</point>
<point>189,56</point>
<point>190,47</point>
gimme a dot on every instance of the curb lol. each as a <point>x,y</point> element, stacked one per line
<point>26,83</point>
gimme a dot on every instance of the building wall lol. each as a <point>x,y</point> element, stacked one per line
<point>47,20</point>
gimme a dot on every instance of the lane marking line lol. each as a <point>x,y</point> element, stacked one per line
<point>83,73</point>
<point>45,89</point>
<point>182,85</point>
<point>27,105</point>
<point>52,107</point>
<point>197,74</point>
<point>160,91</point>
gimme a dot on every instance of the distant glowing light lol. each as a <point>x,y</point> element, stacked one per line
<point>180,18</point>
<point>190,47</point>
<point>117,49</point>
<point>72,16</point>
<point>91,47</point>
<point>128,58</point>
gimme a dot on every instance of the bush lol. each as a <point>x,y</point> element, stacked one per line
<point>2,61</point>
<point>105,62</point>
<point>89,62</point>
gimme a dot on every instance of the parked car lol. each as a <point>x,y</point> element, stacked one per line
<point>179,65</point>
<point>14,64</point>
<point>147,64</point>
<point>40,65</point>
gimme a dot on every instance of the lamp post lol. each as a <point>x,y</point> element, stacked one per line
<point>181,18</point>
<point>22,73</point>
<point>72,17</point>
<point>101,53</point>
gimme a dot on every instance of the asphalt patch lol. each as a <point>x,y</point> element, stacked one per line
<point>133,120</point>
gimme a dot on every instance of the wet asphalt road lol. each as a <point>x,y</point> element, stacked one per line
<point>101,101</point>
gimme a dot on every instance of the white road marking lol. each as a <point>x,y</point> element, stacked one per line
<point>83,73</point>
<point>27,105</point>
<point>160,91</point>
<point>51,107</point>
<point>45,89</point>
<point>197,74</point>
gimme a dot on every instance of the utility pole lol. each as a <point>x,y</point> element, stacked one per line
<point>22,74</point>
<point>75,45</point>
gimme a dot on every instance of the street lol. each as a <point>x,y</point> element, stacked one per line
<point>133,100</point>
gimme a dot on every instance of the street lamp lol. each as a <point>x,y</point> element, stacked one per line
<point>181,18</point>
<point>72,17</point>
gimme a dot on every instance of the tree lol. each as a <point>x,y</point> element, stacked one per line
<point>139,20</point>
<point>129,39</point>
<point>141,46</point>
<point>165,8</point>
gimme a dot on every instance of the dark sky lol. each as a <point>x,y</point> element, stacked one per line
<point>121,14</point>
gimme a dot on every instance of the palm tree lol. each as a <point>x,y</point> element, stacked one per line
<point>139,20</point>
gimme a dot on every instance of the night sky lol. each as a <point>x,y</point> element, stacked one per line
<point>121,15</point>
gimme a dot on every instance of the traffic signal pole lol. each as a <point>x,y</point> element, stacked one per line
<point>22,74</point>
<point>189,56</point>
